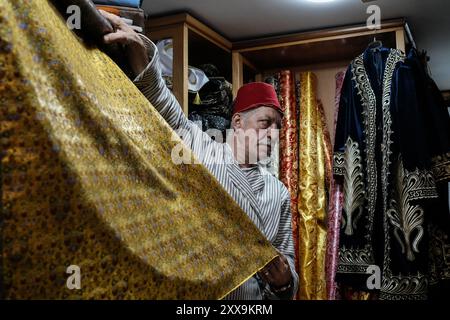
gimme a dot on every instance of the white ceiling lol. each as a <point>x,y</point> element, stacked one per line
<point>244,19</point>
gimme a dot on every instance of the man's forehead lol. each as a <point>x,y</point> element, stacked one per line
<point>266,110</point>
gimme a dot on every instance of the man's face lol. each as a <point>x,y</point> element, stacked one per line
<point>256,133</point>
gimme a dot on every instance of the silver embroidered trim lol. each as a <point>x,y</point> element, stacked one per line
<point>369,103</point>
<point>395,56</point>
<point>406,218</point>
<point>354,260</point>
<point>423,185</point>
<point>354,188</point>
<point>338,163</point>
<point>402,288</point>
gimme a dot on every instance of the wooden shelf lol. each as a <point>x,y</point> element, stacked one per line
<point>194,44</point>
<point>203,51</point>
<point>191,23</point>
<point>244,61</point>
<point>314,52</point>
<point>316,36</point>
<point>310,48</point>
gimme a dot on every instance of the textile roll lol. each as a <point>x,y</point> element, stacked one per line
<point>335,208</point>
<point>289,147</point>
<point>312,199</point>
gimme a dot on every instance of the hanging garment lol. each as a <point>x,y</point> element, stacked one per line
<point>430,102</point>
<point>216,96</point>
<point>312,198</point>
<point>211,107</point>
<point>334,210</point>
<point>88,181</point>
<point>268,206</point>
<point>207,121</point>
<point>383,156</point>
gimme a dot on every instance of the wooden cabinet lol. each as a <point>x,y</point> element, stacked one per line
<point>241,62</point>
<point>194,44</point>
<point>311,48</point>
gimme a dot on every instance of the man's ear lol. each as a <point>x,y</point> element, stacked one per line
<point>236,121</point>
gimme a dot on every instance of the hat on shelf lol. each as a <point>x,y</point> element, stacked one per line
<point>196,77</point>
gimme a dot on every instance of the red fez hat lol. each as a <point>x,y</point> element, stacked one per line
<point>254,95</point>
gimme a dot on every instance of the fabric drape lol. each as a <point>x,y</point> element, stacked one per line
<point>88,180</point>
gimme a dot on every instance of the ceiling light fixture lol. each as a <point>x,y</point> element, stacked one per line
<point>321,0</point>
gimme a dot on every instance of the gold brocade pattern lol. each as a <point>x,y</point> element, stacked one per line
<point>312,202</point>
<point>87,180</point>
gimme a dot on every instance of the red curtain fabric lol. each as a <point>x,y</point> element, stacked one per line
<point>289,146</point>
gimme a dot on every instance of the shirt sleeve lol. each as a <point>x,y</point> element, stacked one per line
<point>152,85</point>
<point>284,243</point>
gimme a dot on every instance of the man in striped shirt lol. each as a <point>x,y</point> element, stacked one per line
<point>255,123</point>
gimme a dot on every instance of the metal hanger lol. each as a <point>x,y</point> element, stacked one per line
<point>375,43</point>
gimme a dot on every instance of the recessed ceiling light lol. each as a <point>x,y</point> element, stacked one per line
<point>321,0</point>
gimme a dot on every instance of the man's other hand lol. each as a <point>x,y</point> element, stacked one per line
<point>277,273</point>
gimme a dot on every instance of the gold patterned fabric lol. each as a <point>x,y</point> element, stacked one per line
<point>87,180</point>
<point>312,200</point>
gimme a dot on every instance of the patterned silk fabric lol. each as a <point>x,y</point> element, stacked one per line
<point>312,199</point>
<point>334,213</point>
<point>88,180</point>
<point>289,148</point>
